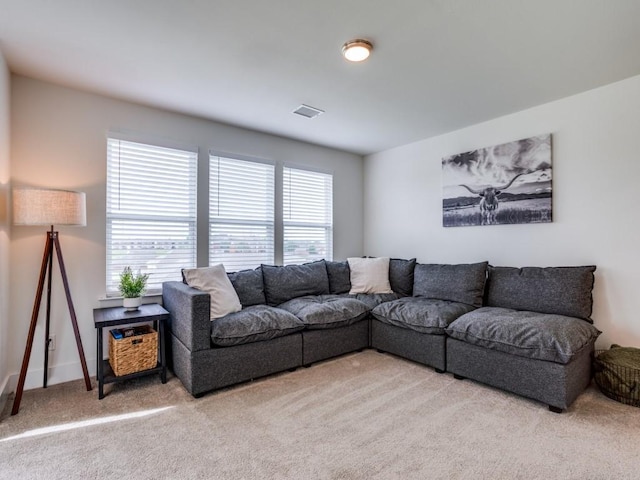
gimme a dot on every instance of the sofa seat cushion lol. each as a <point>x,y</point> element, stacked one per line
<point>424,315</point>
<point>372,300</point>
<point>326,311</point>
<point>253,324</point>
<point>541,336</point>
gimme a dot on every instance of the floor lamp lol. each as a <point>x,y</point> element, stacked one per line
<point>35,206</point>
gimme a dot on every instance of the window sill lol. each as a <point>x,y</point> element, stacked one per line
<point>109,301</point>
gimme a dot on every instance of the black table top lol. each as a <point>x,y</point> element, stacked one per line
<point>109,317</point>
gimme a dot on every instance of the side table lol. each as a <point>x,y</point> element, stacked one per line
<point>114,316</point>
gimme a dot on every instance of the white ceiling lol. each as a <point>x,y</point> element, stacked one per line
<point>437,65</point>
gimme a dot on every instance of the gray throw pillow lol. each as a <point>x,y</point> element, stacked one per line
<point>556,290</point>
<point>249,286</point>
<point>339,277</point>
<point>401,275</point>
<point>284,283</point>
<point>462,283</point>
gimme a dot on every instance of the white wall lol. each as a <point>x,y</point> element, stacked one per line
<point>58,140</point>
<point>4,228</point>
<point>596,167</point>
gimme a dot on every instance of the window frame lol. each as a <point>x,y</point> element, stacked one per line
<point>327,227</point>
<point>144,219</point>
<point>271,224</point>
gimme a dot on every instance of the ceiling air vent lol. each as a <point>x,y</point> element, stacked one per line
<point>307,111</point>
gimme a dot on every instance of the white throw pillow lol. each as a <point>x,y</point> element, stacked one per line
<point>369,275</point>
<point>214,281</point>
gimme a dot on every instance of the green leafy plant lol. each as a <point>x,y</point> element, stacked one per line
<point>132,285</point>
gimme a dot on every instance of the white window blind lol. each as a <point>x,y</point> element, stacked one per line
<point>151,212</point>
<point>307,216</point>
<point>241,215</point>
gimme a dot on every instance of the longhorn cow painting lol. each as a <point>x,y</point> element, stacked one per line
<point>503,184</point>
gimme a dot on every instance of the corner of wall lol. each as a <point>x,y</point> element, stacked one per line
<point>5,78</point>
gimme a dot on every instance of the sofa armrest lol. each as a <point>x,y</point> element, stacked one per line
<point>190,314</point>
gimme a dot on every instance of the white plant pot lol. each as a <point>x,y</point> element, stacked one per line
<point>131,304</point>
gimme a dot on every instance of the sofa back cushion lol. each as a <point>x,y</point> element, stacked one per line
<point>462,283</point>
<point>249,286</point>
<point>401,275</point>
<point>555,290</point>
<point>339,277</point>
<point>284,283</point>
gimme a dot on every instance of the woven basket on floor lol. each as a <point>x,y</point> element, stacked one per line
<point>134,354</point>
<point>621,383</point>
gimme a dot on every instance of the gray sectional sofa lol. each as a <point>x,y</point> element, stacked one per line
<point>524,330</point>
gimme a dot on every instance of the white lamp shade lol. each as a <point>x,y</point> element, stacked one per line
<point>36,206</point>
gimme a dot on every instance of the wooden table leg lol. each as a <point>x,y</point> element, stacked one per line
<point>100,366</point>
<point>163,355</point>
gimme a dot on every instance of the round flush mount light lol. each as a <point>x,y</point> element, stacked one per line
<point>357,50</point>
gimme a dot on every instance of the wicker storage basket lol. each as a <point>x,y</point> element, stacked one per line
<point>134,354</point>
<point>621,383</point>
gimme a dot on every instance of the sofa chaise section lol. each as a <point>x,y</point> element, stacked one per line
<point>554,384</point>
<point>535,336</point>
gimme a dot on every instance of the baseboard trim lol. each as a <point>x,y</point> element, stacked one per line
<point>60,373</point>
<point>5,391</point>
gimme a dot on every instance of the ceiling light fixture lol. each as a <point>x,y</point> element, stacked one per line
<point>357,50</point>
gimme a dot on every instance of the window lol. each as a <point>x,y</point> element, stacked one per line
<point>151,211</point>
<point>307,215</point>
<point>241,213</point>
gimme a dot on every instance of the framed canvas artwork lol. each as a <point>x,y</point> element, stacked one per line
<point>504,184</point>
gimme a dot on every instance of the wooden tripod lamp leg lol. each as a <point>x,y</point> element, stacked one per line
<point>48,252</point>
<point>48,318</point>
<point>72,312</point>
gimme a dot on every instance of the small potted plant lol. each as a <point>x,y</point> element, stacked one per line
<point>132,287</point>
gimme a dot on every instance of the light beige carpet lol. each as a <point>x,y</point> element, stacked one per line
<point>362,416</point>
